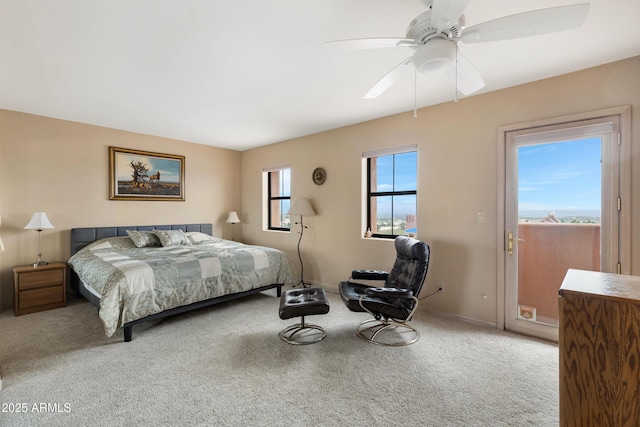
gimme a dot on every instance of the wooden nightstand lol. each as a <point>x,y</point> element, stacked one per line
<point>39,288</point>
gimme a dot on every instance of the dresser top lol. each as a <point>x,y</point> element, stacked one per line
<point>603,284</point>
<point>30,268</point>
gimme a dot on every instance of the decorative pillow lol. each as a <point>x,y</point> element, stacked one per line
<point>172,237</point>
<point>143,238</point>
<point>196,237</point>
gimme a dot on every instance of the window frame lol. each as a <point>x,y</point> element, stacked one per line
<point>370,194</point>
<point>270,198</point>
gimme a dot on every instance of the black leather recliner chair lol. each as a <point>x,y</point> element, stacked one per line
<point>392,305</point>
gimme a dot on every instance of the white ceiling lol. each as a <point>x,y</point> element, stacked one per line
<point>244,73</point>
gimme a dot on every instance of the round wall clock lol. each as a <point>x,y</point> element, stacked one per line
<point>319,175</point>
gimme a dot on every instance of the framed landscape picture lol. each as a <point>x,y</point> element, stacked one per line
<point>143,175</point>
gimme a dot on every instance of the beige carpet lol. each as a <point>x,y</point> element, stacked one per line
<point>226,366</point>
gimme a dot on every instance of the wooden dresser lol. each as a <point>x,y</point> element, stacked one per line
<point>599,342</point>
<point>40,288</point>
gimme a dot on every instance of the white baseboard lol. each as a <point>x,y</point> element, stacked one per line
<point>463,318</point>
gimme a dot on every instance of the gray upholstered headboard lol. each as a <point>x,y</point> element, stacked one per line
<point>81,237</point>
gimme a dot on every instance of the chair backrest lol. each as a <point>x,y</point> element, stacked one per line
<point>410,267</point>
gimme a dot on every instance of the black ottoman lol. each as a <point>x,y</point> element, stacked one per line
<point>300,303</point>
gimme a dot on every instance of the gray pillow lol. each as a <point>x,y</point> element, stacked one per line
<point>171,237</point>
<point>143,238</point>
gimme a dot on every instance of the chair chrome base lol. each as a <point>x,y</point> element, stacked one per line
<point>381,332</point>
<point>303,334</point>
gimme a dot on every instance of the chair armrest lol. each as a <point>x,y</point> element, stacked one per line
<point>369,275</point>
<point>389,293</point>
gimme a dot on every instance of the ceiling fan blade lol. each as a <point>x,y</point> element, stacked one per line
<point>468,79</point>
<point>387,81</point>
<point>444,13</point>
<point>372,43</point>
<point>527,24</point>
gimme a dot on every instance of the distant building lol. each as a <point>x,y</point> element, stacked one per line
<point>551,218</point>
<point>411,226</point>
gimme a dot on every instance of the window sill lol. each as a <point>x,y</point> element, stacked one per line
<point>378,239</point>
<point>277,231</point>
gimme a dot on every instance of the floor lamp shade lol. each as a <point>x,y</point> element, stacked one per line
<point>302,207</point>
<point>1,244</point>
<point>39,222</point>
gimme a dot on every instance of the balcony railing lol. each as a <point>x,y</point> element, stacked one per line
<point>545,252</point>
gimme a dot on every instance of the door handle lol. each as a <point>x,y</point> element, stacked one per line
<point>510,244</point>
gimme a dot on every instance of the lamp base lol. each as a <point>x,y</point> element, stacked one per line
<point>39,263</point>
<point>303,284</point>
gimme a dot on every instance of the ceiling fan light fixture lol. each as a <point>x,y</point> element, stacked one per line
<point>435,56</point>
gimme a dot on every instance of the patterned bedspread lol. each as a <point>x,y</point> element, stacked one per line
<point>136,282</point>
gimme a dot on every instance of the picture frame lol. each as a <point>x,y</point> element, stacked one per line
<point>145,175</point>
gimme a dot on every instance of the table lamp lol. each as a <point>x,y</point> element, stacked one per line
<point>232,219</point>
<point>39,222</point>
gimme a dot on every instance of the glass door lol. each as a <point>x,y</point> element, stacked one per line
<point>559,202</point>
<point>559,215</point>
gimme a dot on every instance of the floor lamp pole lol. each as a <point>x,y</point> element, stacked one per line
<point>301,282</point>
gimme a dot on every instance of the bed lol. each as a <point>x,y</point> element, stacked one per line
<point>141,273</point>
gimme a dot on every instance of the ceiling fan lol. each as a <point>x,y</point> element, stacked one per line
<point>435,34</point>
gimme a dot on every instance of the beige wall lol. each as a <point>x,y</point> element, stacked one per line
<point>458,158</point>
<point>62,168</point>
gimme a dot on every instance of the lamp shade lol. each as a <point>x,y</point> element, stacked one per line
<point>233,217</point>
<point>39,221</point>
<point>1,244</point>
<point>301,206</point>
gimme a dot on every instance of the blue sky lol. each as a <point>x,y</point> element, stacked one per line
<point>560,176</point>
<point>405,179</point>
<point>405,172</point>
<point>169,168</point>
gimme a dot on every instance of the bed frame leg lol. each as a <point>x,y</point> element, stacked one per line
<point>128,333</point>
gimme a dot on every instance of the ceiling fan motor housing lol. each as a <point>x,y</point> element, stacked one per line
<point>421,30</point>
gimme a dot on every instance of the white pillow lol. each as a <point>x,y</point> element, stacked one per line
<point>196,237</point>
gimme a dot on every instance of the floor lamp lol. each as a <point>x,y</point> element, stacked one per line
<point>302,207</point>
<point>1,244</point>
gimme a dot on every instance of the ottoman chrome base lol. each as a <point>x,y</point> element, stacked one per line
<point>303,302</point>
<point>301,333</point>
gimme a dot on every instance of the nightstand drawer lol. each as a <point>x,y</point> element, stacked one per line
<point>53,295</point>
<point>39,288</point>
<point>38,279</point>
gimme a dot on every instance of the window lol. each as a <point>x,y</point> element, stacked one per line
<point>278,198</point>
<point>391,191</point>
